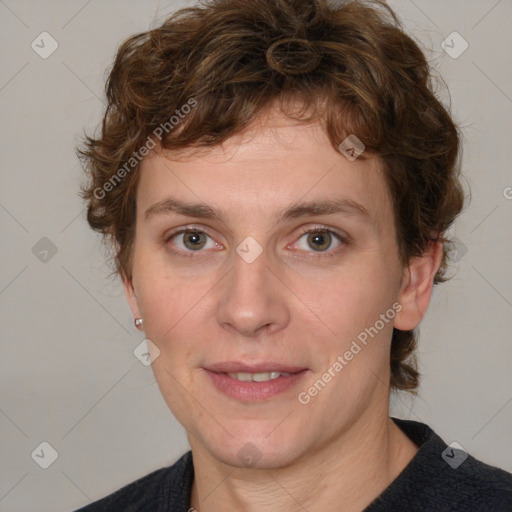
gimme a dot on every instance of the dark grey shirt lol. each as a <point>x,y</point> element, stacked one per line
<point>438,479</point>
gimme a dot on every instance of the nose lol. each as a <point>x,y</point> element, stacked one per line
<point>252,299</point>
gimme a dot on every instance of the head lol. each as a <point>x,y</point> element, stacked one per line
<point>235,121</point>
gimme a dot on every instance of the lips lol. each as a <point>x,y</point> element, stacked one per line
<point>254,382</point>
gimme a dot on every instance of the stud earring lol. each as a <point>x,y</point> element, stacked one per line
<point>138,323</point>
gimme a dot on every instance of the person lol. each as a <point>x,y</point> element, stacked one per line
<point>277,179</point>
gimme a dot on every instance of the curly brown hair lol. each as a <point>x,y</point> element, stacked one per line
<point>351,66</point>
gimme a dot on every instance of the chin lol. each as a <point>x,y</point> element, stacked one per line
<point>249,456</point>
<point>256,450</point>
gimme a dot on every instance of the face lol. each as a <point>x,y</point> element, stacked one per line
<point>251,283</point>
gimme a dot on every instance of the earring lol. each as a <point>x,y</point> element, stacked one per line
<point>138,323</point>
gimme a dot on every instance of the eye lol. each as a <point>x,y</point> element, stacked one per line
<point>321,240</point>
<point>190,240</point>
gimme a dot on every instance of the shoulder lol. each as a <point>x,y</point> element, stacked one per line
<point>164,489</point>
<point>477,485</point>
<point>442,477</point>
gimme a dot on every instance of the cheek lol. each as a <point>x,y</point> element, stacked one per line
<point>351,297</point>
<point>174,309</point>
<point>164,305</point>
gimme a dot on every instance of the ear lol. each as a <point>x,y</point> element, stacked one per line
<point>131,297</point>
<point>417,285</point>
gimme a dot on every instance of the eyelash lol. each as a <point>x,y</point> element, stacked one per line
<point>344,239</point>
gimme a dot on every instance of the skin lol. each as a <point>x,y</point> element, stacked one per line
<point>294,304</point>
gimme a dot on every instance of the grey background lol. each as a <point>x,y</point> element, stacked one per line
<point>68,373</point>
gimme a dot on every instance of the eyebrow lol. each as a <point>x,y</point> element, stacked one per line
<point>295,211</point>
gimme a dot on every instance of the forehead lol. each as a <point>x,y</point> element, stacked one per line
<point>270,166</point>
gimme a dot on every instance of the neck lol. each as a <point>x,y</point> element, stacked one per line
<point>344,475</point>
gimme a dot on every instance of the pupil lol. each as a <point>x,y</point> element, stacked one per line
<point>195,238</point>
<point>317,237</point>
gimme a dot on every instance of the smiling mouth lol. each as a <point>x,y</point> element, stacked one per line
<point>257,382</point>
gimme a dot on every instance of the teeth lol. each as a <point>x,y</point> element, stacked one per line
<point>256,377</point>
